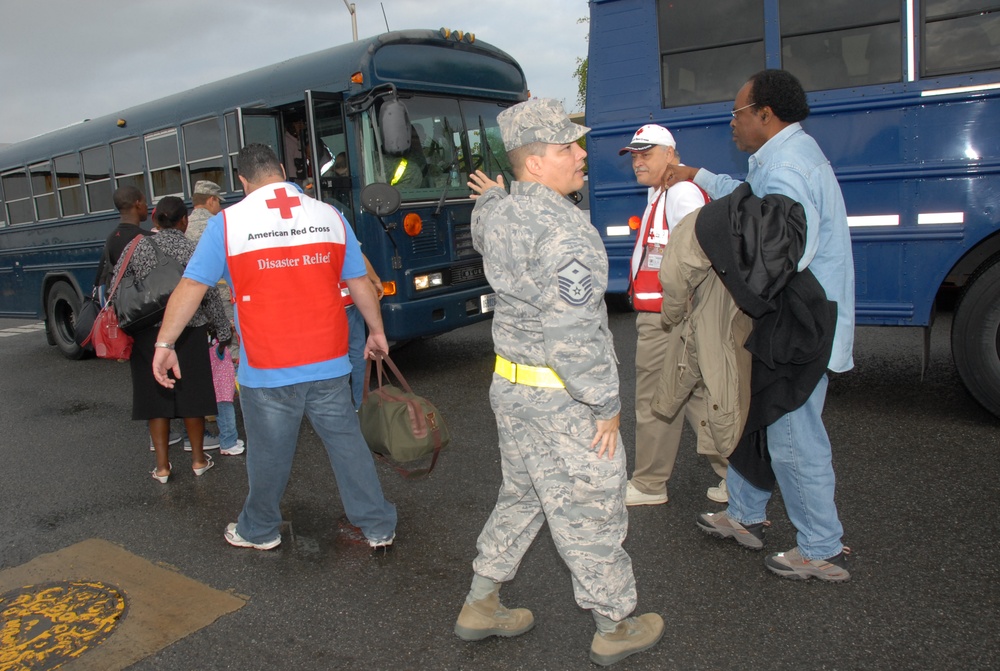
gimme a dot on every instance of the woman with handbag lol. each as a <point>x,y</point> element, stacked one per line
<point>193,397</point>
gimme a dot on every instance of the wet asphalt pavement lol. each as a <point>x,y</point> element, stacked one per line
<point>917,472</point>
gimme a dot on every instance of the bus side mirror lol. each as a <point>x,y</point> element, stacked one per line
<point>380,199</point>
<point>394,121</point>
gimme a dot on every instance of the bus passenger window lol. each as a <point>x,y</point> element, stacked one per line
<point>960,36</point>
<point>163,160</point>
<point>96,180</point>
<point>708,49</point>
<point>842,43</point>
<point>17,197</point>
<point>68,183</point>
<point>43,190</point>
<point>127,159</point>
<point>203,152</point>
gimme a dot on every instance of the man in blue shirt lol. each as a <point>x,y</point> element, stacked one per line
<point>284,255</point>
<point>786,160</point>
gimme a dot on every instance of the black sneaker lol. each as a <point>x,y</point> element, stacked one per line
<point>722,525</point>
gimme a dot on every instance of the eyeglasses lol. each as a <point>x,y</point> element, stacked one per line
<point>735,111</point>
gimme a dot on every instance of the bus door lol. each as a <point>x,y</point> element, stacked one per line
<point>330,172</point>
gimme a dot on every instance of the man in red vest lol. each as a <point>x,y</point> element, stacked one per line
<point>653,151</point>
<point>284,255</point>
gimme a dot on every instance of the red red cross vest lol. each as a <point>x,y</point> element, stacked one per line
<point>285,253</point>
<point>644,288</point>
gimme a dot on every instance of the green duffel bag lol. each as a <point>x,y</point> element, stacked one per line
<point>397,423</point>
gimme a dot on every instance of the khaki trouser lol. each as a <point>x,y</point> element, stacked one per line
<point>656,440</point>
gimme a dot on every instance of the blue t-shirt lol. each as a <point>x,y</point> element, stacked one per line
<point>208,266</point>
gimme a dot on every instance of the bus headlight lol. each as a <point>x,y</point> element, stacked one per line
<point>421,282</point>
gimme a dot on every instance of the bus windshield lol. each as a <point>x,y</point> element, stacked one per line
<point>448,139</point>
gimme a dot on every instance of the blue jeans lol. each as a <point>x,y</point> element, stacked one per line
<point>801,459</point>
<point>272,418</point>
<point>356,352</point>
<point>225,417</point>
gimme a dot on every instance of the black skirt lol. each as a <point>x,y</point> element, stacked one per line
<point>194,393</point>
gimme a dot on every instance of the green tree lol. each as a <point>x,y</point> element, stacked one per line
<point>581,82</point>
<point>580,73</point>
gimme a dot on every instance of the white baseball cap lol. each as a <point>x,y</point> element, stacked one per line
<point>646,137</point>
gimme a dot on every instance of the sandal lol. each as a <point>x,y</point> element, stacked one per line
<point>209,463</point>
<point>162,478</point>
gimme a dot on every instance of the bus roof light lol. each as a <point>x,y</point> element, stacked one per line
<point>446,33</point>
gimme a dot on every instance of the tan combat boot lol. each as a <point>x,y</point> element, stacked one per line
<point>634,634</point>
<point>487,617</point>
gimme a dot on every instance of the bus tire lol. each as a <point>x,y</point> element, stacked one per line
<point>62,304</point>
<point>975,336</point>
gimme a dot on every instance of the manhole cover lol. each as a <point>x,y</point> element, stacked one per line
<point>44,626</point>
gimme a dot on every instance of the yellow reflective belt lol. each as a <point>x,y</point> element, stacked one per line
<point>400,169</point>
<point>532,376</point>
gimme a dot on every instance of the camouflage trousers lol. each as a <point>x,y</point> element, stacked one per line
<point>551,474</point>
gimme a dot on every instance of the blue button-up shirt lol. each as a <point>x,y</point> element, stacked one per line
<point>793,165</point>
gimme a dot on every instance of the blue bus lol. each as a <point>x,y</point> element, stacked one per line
<point>415,110</point>
<point>905,99</point>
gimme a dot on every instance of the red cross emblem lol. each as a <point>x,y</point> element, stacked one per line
<point>283,203</point>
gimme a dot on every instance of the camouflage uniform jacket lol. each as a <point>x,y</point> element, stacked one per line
<point>197,221</point>
<point>549,269</point>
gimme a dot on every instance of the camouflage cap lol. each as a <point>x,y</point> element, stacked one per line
<point>538,120</point>
<point>207,188</point>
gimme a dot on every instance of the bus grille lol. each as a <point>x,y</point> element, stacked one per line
<point>467,273</point>
<point>463,242</point>
<point>426,243</point>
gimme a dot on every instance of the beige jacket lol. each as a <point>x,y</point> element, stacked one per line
<point>710,350</point>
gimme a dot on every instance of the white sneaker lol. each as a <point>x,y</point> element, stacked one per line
<point>238,448</point>
<point>633,497</point>
<point>718,494</point>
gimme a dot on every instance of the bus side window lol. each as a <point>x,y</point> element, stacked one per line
<point>960,40</point>
<point>164,163</point>
<point>203,152</point>
<point>43,191</point>
<point>708,49</point>
<point>69,185</point>
<point>97,180</point>
<point>18,197</point>
<point>126,158</point>
<point>842,44</point>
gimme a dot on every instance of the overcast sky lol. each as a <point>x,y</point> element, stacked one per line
<point>62,61</point>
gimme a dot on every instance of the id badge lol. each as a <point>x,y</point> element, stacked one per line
<point>654,256</point>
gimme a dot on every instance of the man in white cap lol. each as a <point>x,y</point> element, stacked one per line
<point>554,391</point>
<point>653,152</point>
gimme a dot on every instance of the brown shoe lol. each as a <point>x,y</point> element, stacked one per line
<point>634,634</point>
<point>488,617</point>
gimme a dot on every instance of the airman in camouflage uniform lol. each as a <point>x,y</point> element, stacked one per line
<point>555,390</point>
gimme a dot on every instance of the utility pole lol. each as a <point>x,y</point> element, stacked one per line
<point>354,19</point>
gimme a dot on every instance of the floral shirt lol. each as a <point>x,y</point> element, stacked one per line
<point>176,245</point>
